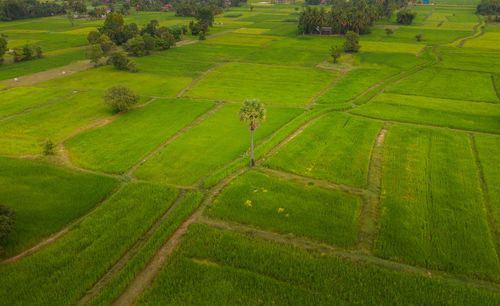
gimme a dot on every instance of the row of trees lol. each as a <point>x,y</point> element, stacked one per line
<point>353,15</point>
<point>19,9</point>
<point>489,7</point>
<point>26,53</point>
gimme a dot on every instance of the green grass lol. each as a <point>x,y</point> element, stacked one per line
<point>447,83</point>
<point>127,274</point>
<point>488,41</point>
<point>433,111</point>
<point>271,84</point>
<point>243,39</point>
<point>353,84</point>
<point>433,213</point>
<point>342,157</point>
<point>291,57</point>
<point>45,198</point>
<point>57,120</point>
<point>61,272</point>
<point>214,267</point>
<point>117,146</point>
<point>488,150</point>
<point>203,51</point>
<point>209,145</point>
<point>469,59</point>
<point>19,69</point>
<point>18,99</point>
<point>276,204</point>
<point>143,82</point>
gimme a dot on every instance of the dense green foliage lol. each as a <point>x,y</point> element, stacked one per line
<point>20,9</point>
<point>120,98</point>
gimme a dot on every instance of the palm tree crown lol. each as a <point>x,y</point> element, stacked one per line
<point>252,111</point>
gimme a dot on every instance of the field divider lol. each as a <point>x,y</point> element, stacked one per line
<point>492,225</point>
<point>181,132</point>
<point>198,79</point>
<point>38,106</point>
<point>129,254</point>
<point>354,255</point>
<point>495,86</point>
<point>319,94</point>
<point>66,229</point>
<point>146,276</point>
<point>304,180</point>
<point>368,219</point>
<point>425,125</point>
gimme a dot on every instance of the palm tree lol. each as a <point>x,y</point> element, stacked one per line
<point>137,4</point>
<point>252,111</point>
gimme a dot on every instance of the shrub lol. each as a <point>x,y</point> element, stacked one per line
<point>202,36</point>
<point>233,15</point>
<point>93,37</point>
<point>120,98</point>
<point>388,31</point>
<point>49,147</point>
<point>122,62</point>
<point>335,52</point>
<point>28,52</point>
<point>106,44</point>
<point>351,43</point>
<point>149,41</point>
<point>419,36</point>
<point>94,53</point>
<point>406,16</point>
<point>3,48</point>
<point>7,220</point>
<point>136,46</point>
<point>178,31</point>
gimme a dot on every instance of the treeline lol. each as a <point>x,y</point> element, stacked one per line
<point>489,7</point>
<point>20,9</point>
<point>354,15</point>
<point>190,8</point>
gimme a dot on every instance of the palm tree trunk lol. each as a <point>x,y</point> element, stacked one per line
<point>251,150</point>
<point>137,10</point>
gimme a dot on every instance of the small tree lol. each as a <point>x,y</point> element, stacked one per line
<point>205,17</point>
<point>3,48</point>
<point>335,52</point>
<point>351,43</point>
<point>253,112</point>
<point>48,147</point>
<point>7,220</point>
<point>120,98</point>
<point>106,44</point>
<point>419,36</point>
<point>122,62</point>
<point>93,37</point>
<point>202,36</point>
<point>388,31</point>
<point>405,16</point>
<point>94,53</point>
<point>136,46</point>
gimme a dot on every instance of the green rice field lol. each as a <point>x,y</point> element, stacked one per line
<point>375,178</point>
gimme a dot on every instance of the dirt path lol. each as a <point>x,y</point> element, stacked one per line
<point>146,276</point>
<point>129,254</point>
<point>354,255</point>
<point>368,219</point>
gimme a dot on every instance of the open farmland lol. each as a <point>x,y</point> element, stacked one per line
<point>376,178</point>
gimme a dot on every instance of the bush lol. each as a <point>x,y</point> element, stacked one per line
<point>178,31</point>
<point>7,220</point>
<point>93,37</point>
<point>406,16</point>
<point>351,43</point>
<point>388,31</point>
<point>120,98</point>
<point>28,52</point>
<point>94,53</point>
<point>419,36</point>
<point>136,46</point>
<point>49,147</point>
<point>202,36</point>
<point>106,44</point>
<point>122,62</point>
<point>233,15</point>
<point>335,52</point>
<point>3,48</point>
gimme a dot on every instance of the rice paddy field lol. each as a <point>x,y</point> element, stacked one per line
<point>376,179</point>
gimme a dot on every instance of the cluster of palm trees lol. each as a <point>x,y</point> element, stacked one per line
<point>354,15</point>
